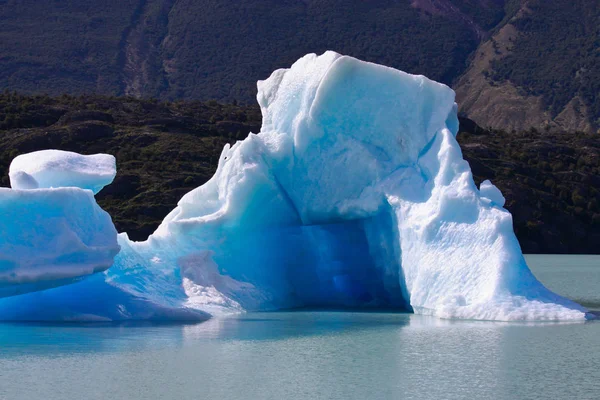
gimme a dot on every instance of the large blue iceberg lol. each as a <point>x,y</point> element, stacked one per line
<point>354,194</point>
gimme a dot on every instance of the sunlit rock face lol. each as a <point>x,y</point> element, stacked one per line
<point>354,194</point>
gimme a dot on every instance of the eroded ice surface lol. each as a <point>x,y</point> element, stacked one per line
<point>52,237</point>
<point>57,168</point>
<point>354,193</point>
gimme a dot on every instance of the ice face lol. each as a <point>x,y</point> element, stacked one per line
<point>57,168</point>
<point>52,237</point>
<point>354,194</point>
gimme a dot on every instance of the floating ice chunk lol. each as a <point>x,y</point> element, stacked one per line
<point>57,168</point>
<point>487,189</point>
<point>52,237</point>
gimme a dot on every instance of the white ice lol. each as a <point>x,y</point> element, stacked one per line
<point>488,190</point>
<point>354,194</point>
<point>57,168</point>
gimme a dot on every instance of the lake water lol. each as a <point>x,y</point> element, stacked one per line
<point>316,355</point>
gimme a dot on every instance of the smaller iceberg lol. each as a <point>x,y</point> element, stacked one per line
<point>56,168</point>
<point>57,245</point>
<point>50,235</point>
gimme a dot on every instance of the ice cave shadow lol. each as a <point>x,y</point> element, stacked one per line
<point>347,263</point>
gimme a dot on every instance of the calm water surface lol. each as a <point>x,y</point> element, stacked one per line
<point>316,355</point>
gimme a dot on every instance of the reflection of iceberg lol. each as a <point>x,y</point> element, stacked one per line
<point>353,194</point>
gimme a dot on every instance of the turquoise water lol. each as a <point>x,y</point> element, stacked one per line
<point>316,355</point>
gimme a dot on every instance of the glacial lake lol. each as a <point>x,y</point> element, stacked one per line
<point>316,354</point>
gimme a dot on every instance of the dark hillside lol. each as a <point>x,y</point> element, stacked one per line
<point>211,49</point>
<point>538,68</point>
<point>219,51</point>
<point>63,46</point>
<point>514,64</point>
<point>557,54</point>
<point>551,180</point>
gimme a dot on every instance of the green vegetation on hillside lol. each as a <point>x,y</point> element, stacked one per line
<point>210,49</point>
<point>485,13</point>
<point>220,51</point>
<point>551,180</point>
<point>63,46</point>
<point>556,54</point>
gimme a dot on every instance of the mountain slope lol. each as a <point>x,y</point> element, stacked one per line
<point>248,39</point>
<point>540,68</point>
<point>204,49</point>
<point>63,46</point>
<point>514,64</point>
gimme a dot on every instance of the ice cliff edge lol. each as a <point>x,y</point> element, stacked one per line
<point>354,193</point>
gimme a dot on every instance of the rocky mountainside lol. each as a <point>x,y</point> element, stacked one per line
<point>210,49</point>
<point>551,180</point>
<point>540,67</point>
<point>514,64</point>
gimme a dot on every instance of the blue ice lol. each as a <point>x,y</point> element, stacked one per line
<point>353,194</point>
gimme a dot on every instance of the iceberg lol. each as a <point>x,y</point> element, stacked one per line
<point>354,194</point>
<point>56,168</point>
<point>52,235</point>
